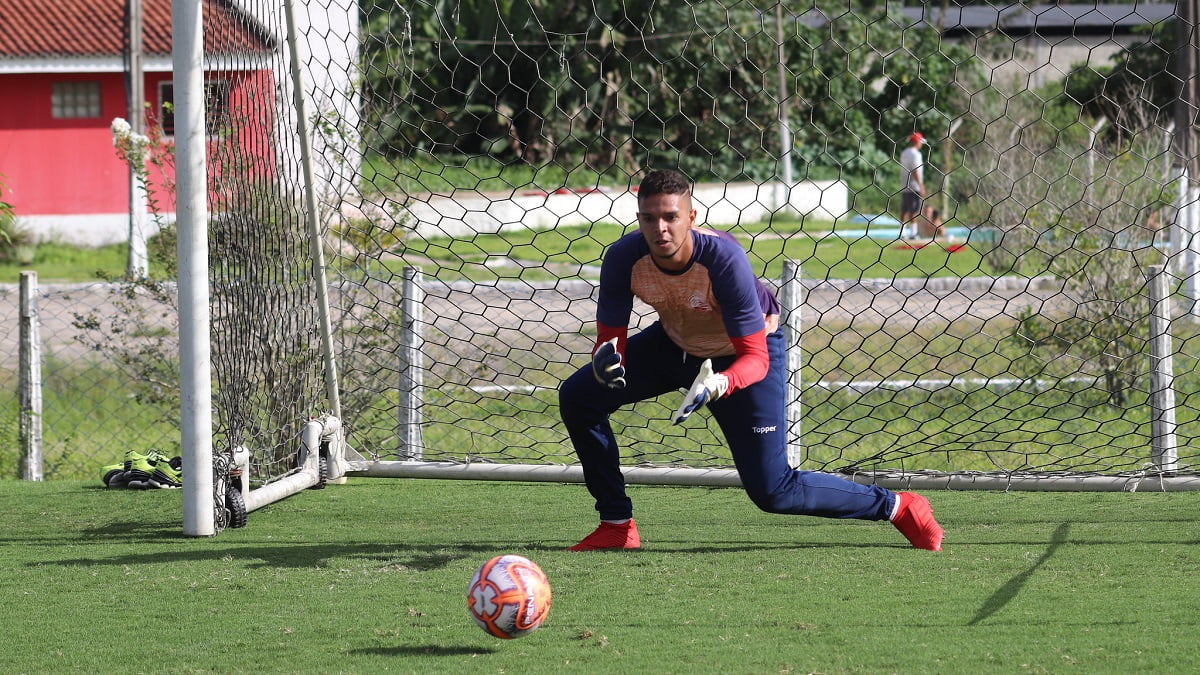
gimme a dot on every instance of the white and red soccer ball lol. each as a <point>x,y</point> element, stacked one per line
<point>509,596</point>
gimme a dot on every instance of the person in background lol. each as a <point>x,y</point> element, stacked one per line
<point>912,185</point>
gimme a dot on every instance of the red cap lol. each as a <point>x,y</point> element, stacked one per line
<point>916,137</point>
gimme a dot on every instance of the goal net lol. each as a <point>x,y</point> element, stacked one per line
<point>463,166</point>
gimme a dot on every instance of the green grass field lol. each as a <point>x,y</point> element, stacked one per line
<point>821,255</point>
<point>371,577</point>
<point>60,263</point>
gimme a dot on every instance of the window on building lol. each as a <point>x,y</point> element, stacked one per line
<point>73,100</point>
<point>216,106</point>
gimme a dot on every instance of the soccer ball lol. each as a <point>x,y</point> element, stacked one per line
<point>509,596</point>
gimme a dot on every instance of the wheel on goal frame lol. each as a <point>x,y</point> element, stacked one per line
<point>229,504</point>
<point>322,473</point>
<point>235,506</point>
<point>322,465</point>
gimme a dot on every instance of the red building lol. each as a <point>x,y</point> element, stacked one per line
<point>63,74</point>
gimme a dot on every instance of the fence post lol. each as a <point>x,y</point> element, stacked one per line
<point>412,378</point>
<point>1163,453</point>
<point>1185,249</point>
<point>30,381</point>
<point>791,299</point>
<point>1192,278</point>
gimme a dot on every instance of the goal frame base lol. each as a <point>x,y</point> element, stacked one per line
<point>646,475</point>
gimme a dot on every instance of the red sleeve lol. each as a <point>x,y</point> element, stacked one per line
<point>751,363</point>
<point>605,333</point>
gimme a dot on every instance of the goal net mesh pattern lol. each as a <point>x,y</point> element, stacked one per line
<point>482,155</point>
<point>265,342</point>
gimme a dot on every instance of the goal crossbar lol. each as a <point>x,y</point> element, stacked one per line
<point>682,476</point>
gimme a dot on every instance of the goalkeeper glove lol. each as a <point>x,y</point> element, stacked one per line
<point>707,387</point>
<point>606,365</point>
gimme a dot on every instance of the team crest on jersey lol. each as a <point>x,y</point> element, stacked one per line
<point>698,302</point>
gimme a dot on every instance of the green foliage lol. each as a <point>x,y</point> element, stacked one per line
<point>56,262</point>
<point>140,339</point>
<point>612,87</point>
<point>271,388</point>
<point>422,172</point>
<point>1109,331</point>
<point>16,242</point>
<point>92,413</point>
<point>1085,210</point>
<point>1139,89</point>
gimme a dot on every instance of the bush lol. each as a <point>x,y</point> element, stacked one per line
<point>16,242</point>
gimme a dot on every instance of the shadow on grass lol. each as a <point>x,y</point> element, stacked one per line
<point>418,650</point>
<point>130,532</point>
<point>397,556</point>
<point>1009,590</point>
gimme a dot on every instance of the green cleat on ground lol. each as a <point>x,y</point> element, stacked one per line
<point>168,473</point>
<point>140,467</point>
<point>114,475</point>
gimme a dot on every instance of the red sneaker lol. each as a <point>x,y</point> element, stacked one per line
<point>914,519</point>
<point>611,536</point>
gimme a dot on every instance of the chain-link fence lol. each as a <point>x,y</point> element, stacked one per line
<point>107,371</point>
<point>494,146</point>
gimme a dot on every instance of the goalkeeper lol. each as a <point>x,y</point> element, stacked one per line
<point>718,333</point>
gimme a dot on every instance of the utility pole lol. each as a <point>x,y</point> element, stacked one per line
<point>947,158</point>
<point>138,264</point>
<point>948,143</point>
<point>1187,212</point>
<point>785,130</point>
<point>1186,46</point>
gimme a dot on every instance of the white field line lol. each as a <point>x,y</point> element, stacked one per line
<point>864,386</point>
<point>968,383</point>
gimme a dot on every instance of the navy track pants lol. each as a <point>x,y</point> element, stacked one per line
<point>752,419</point>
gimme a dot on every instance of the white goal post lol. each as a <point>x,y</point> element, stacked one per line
<point>218,492</point>
<point>191,213</point>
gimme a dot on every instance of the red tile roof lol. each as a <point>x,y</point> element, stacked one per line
<point>49,28</point>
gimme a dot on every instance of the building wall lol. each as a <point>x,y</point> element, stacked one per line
<point>60,166</point>
<point>66,181</point>
<point>719,205</point>
<point>246,154</point>
<point>1034,61</point>
<point>328,48</point>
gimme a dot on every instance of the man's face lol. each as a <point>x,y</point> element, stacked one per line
<point>666,221</point>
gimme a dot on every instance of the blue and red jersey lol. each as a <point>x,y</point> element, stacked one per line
<point>714,307</point>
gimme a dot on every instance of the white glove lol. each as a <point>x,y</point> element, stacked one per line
<point>706,388</point>
<point>606,365</point>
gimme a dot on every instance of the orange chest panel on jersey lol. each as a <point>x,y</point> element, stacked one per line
<point>685,305</point>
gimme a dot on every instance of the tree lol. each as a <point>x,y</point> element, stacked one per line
<point>1079,212</point>
<point>1138,90</point>
<point>623,84</point>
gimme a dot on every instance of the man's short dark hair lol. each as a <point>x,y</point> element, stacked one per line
<point>664,182</point>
